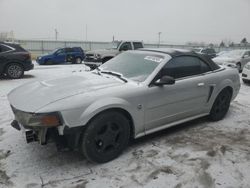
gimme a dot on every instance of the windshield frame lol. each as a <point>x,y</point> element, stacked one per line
<point>115,45</point>
<point>152,75</point>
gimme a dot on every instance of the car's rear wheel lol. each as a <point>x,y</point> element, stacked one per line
<point>14,71</point>
<point>105,137</point>
<point>221,105</point>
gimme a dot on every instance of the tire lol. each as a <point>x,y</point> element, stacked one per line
<point>78,60</point>
<point>221,105</point>
<point>105,137</point>
<point>238,65</point>
<point>14,71</point>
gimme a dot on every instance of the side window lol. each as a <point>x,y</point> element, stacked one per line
<point>204,67</point>
<point>69,50</point>
<point>4,48</point>
<point>185,66</point>
<point>137,45</point>
<point>60,51</point>
<point>126,46</point>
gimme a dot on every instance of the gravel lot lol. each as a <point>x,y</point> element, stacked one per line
<point>195,154</point>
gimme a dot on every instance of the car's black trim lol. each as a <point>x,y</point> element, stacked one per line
<point>176,53</point>
<point>15,125</point>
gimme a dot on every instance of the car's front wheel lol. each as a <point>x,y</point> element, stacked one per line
<point>78,60</point>
<point>105,137</point>
<point>221,105</point>
<point>14,71</point>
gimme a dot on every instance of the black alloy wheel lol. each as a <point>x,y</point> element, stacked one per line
<point>14,71</point>
<point>221,105</point>
<point>105,137</point>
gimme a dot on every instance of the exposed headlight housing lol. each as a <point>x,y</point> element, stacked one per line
<point>52,119</point>
<point>45,120</point>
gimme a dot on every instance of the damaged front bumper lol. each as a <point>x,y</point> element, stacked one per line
<point>35,134</point>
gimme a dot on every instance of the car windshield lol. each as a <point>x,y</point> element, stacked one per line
<point>54,51</point>
<point>115,45</point>
<point>136,66</point>
<point>233,53</point>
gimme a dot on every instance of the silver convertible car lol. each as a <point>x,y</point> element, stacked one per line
<point>132,95</point>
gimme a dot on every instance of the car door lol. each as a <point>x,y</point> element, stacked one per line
<point>69,52</point>
<point>184,99</point>
<point>3,59</point>
<point>60,56</point>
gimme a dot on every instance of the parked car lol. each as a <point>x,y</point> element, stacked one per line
<point>210,52</point>
<point>14,60</point>
<point>97,57</point>
<point>62,55</point>
<point>134,94</point>
<point>246,73</point>
<point>234,58</point>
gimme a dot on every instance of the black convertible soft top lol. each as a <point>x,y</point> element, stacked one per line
<point>181,52</point>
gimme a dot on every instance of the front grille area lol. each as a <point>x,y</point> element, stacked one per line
<point>89,57</point>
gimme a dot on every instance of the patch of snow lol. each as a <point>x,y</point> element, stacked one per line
<point>199,153</point>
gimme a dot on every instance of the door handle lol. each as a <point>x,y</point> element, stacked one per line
<point>200,84</point>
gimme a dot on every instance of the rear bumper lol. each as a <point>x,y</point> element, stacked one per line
<point>29,66</point>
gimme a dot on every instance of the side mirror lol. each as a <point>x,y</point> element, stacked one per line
<point>165,80</point>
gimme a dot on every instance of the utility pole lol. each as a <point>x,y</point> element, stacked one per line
<point>86,32</point>
<point>56,34</point>
<point>159,39</point>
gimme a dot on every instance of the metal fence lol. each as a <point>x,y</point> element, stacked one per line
<point>37,47</point>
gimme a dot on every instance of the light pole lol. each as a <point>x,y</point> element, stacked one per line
<point>159,39</point>
<point>56,34</point>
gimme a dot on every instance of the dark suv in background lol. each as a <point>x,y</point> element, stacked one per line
<point>75,55</point>
<point>14,60</point>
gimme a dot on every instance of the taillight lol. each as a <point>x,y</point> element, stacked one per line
<point>27,55</point>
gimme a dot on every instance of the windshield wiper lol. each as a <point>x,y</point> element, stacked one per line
<point>115,74</point>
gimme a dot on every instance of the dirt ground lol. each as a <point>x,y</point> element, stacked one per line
<point>198,154</point>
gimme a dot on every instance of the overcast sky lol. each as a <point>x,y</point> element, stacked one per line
<point>180,21</point>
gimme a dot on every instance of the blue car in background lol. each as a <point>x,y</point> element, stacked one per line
<point>75,55</point>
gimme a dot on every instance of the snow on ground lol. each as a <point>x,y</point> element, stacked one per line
<point>195,154</point>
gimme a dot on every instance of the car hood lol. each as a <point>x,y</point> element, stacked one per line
<point>35,95</point>
<point>46,56</point>
<point>225,59</point>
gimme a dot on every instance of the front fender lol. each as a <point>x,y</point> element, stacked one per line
<point>111,103</point>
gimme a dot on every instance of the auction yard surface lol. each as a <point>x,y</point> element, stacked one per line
<point>195,154</point>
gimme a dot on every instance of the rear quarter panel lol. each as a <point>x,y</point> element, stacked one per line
<point>222,78</point>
